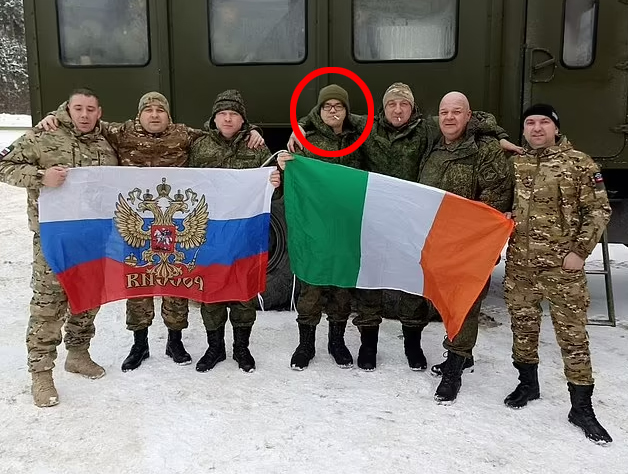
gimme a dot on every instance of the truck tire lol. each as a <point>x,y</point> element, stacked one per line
<point>279,278</point>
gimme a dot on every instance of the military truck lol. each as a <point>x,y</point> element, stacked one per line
<point>503,54</point>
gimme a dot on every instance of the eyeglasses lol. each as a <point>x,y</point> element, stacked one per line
<point>336,107</point>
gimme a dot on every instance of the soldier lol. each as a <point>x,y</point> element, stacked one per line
<point>152,139</point>
<point>330,126</point>
<point>40,159</point>
<point>475,167</point>
<point>560,211</point>
<point>224,146</point>
<point>400,138</point>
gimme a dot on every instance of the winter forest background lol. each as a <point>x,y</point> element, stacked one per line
<point>13,70</point>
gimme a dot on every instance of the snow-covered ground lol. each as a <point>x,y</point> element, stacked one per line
<point>11,127</point>
<point>164,418</point>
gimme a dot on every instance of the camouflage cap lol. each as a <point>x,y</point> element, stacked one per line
<point>230,99</point>
<point>398,91</point>
<point>333,91</point>
<point>150,97</point>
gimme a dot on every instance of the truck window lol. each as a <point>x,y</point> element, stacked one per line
<point>103,32</point>
<point>257,31</point>
<point>580,31</point>
<point>404,30</point>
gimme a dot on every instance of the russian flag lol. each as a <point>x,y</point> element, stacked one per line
<point>112,233</point>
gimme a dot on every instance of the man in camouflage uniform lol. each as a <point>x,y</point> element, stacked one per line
<point>475,167</point>
<point>560,211</point>
<point>152,139</point>
<point>225,146</point>
<point>329,126</point>
<point>40,159</point>
<point>400,138</point>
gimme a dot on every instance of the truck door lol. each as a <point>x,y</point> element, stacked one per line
<point>263,48</point>
<point>577,60</point>
<point>112,47</point>
<point>435,46</point>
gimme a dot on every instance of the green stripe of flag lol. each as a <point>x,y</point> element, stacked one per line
<point>324,206</point>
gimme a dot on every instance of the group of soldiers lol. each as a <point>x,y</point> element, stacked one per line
<point>554,194</point>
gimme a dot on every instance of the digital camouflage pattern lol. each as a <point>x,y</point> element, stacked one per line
<point>474,167</point>
<point>23,167</point>
<point>524,290</point>
<point>560,206</point>
<point>215,151</point>
<point>321,135</point>
<point>241,314</point>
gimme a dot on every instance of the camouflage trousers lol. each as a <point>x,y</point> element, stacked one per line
<point>49,313</point>
<point>414,311</point>
<point>241,314</point>
<point>140,313</point>
<point>336,303</point>
<point>524,290</point>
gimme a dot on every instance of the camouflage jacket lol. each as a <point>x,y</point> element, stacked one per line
<point>398,152</point>
<point>322,136</point>
<point>475,167</point>
<point>37,151</point>
<point>137,147</point>
<point>215,151</point>
<point>560,206</point>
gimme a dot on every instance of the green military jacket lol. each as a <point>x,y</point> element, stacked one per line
<point>322,136</point>
<point>475,167</point>
<point>560,206</point>
<point>215,151</point>
<point>37,151</point>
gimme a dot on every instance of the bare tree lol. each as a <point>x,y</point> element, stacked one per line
<point>14,97</point>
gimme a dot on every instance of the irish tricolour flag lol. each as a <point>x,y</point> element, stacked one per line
<point>354,229</point>
<point>111,233</point>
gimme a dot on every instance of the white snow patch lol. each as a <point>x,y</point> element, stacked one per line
<point>164,418</point>
<point>10,120</point>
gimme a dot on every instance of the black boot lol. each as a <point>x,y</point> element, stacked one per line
<point>241,353</point>
<point>528,388</point>
<point>215,352</point>
<point>367,356</point>
<point>336,345</point>
<point>412,347</point>
<point>139,351</point>
<point>450,384</point>
<point>175,349</point>
<point>583,416</point>
<point>437,369</point>
<point>305,351</point>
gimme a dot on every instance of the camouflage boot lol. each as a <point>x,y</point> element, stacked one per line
<point>43,389</point>
<point>78,361</point>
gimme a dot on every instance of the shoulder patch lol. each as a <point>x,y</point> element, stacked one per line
<point>5,151</point>
<point>598,181</point>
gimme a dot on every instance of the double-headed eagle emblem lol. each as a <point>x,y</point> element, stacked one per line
<point>167,239</point>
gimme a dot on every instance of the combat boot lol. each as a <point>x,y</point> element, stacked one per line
<point>528,388</point>
<point>437,369</point>
<point>583,416</point>
<point>78,361</point>
<point>43,389</point>
<point>175,349</point>
<point>241,353</point>
<point>306,350</point>
<point>215,352</point>
<point>412,347</point>
<point>367,355</point>
<point>447,390</point>
<point>139,351</point>
<point>336,345</point>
